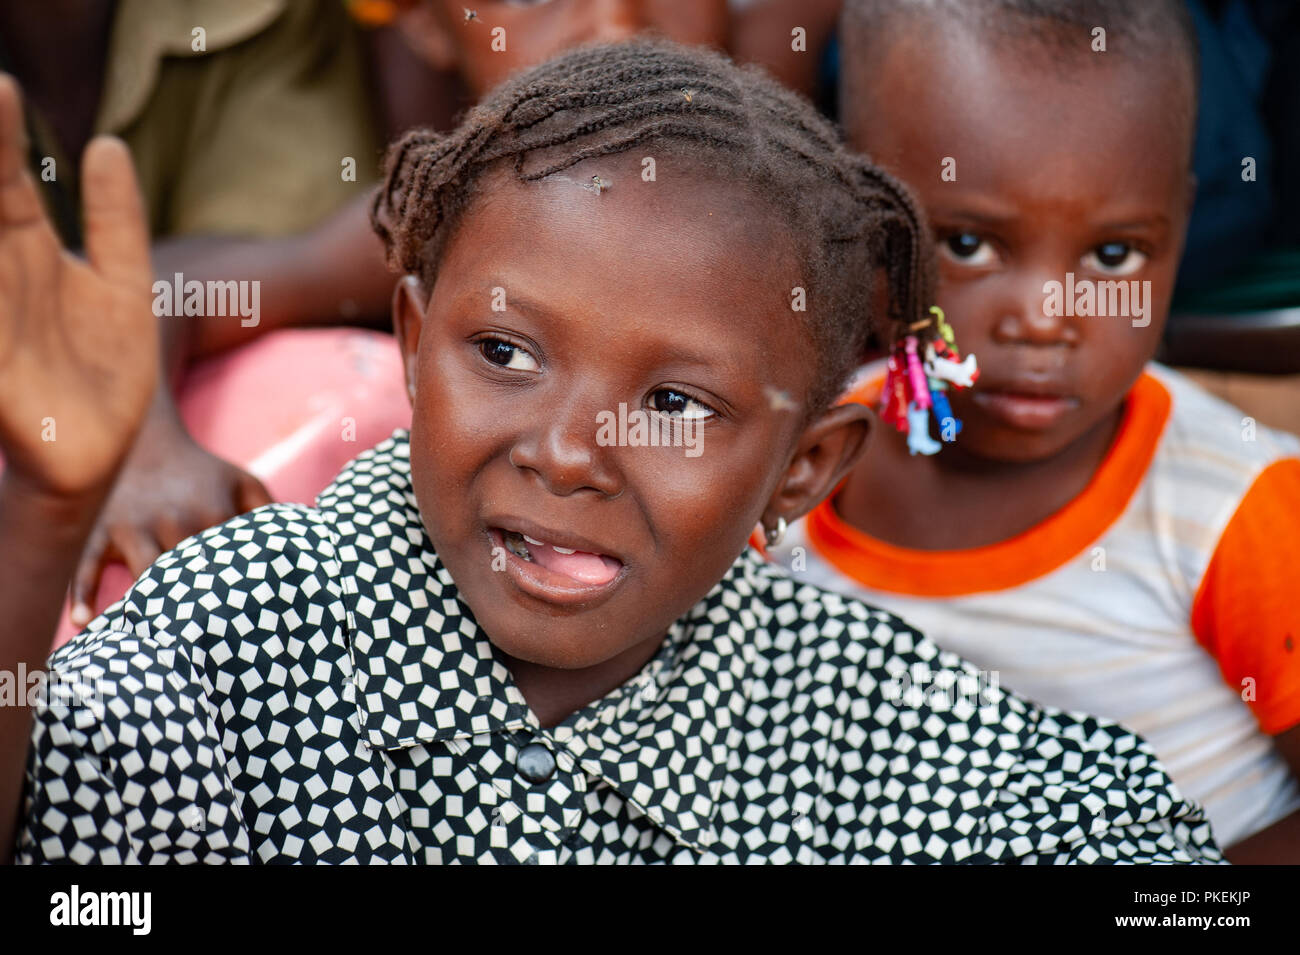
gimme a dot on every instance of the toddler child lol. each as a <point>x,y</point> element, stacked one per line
<point>1101,533</point>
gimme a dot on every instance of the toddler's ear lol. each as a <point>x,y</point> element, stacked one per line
<point>827,450</point>
<point>409,303</point>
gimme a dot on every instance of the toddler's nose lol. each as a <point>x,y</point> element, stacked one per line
<point>1030,315</point>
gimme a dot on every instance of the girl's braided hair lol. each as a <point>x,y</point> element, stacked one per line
<point>848,220</point>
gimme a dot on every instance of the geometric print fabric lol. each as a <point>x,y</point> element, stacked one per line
<point>305,685</point>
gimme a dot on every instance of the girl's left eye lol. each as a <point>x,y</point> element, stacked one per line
<point>1115,258</point>
<point>679,404</point>
<point>503,353</point>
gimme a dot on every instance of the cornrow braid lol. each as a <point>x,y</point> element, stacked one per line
<point>849,222</point>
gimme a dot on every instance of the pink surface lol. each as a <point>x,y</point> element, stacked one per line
<point>291,408</point>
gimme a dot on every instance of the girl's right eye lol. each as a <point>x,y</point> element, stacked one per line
<point>506,355</point>
<point>967,248</point>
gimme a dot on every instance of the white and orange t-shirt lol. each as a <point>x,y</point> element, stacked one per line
<point>1165,596</point>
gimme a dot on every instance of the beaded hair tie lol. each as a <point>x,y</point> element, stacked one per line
<point>918,379</point>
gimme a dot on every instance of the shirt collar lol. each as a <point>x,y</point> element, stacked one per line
<point>425,672</point>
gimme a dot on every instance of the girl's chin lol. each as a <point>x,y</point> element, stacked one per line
<point>552,650</point>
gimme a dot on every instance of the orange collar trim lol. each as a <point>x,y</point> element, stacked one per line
<point>1015,561</point>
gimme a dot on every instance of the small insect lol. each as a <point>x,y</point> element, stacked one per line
<point>688,93</point>
<point>599,185</point>
<point>779,400</point>
<point>471,15</point>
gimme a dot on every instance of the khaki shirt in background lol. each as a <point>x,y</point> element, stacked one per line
<point>248,136</point>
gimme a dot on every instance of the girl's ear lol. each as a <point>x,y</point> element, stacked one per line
<point>409,303</point>
<point>828,448</point>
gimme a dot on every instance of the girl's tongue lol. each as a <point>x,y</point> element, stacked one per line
<point>577,565</point>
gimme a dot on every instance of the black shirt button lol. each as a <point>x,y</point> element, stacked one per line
<point>536,763</point>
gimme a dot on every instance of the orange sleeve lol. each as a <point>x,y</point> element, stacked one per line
<point>1247,609</point>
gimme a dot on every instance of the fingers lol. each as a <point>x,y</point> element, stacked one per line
<point>133,545</point>
<point>85,582</point>
<point>169,529</point>
<point>251,494</point>
<point>117,234</point>
<point>19,203</point>
<point>138,547</point>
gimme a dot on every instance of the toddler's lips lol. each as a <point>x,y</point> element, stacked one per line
<point>1025,411</point>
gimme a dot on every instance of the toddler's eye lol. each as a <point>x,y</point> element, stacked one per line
<point>670,402</point>
<point>1115,258</point>
<point>968,248</point>
<point>506,355</point>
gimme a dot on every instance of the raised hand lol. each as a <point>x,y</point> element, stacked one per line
<point>78,364</point>
<point>78,339</point>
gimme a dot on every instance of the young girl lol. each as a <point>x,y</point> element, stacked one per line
<point>516,634</point>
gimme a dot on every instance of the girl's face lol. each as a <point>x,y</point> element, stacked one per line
<point>558,314</point>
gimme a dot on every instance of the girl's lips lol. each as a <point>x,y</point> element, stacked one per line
<point>582,566</point>
<point>555,577</point>
<point>1025,412</point>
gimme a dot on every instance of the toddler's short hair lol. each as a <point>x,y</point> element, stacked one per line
<point>1056,27</point>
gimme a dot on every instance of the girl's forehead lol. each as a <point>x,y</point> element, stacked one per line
<point>635,213</point>
<point>676,259</point>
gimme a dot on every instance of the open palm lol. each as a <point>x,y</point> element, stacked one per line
<point>78,339</point>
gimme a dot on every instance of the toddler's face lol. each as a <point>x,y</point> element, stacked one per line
<point>1073,171</point>
<point>564,327</point>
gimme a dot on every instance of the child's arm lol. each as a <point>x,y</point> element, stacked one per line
<point>78,362</point>
<point>1279,844</point>
<point>1247,617</point>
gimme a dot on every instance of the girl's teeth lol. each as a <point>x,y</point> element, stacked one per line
<point>531,541</point>
<point>517,547</point>
<point>562,550</point>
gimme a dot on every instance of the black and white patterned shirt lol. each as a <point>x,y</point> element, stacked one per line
<point>305,685</point>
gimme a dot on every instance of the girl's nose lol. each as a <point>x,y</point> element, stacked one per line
<point>562,451</point>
